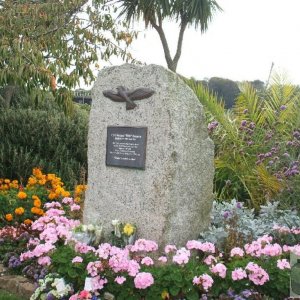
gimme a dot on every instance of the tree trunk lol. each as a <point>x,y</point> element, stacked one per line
<point>171,63</point>
<point>7,95</point>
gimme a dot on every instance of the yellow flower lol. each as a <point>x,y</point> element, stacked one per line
<point>77,199</point>
<point>8,217</point>
<point>27,222</point>
<point>6,180</point>
<point>128,229</point>
<point>19,211</point>
<point>22,195</point>
<point>165,295</point>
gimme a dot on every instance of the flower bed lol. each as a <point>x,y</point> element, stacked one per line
<point>140,271</point>
<point>51,251</point>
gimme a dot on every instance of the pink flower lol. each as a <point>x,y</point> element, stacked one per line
<point>44,261</point>
<point>170,248</point>
<point>143,280</point>
<point>67,200</point>
<point>147,261</point>
<point>83,248</point>
<point>205,280</point>
<point>98,283</point>
<point>283,264</point>
<point>219,269</point>
<point>144,245</point>
<point>210,259</point>
<point>237,251</point>
<point>205,247</point>
<point>52,205</point>
<point>120,279</point>
<point>104,250</point>
<point>182,256</point>
<point>84,295</point>
<point>93,268</point>
<point>74,297</point>
<point>163,259</point>
<point>238,274</point>
<point>77,259</point>
<point>133,268</point>
<point>257,274</point>
<point>75,207</point>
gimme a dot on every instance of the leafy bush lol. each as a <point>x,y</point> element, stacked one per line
<point>24,204</point>
<point>233,225</point>
<point>45,138</point>
<point>257,144</point>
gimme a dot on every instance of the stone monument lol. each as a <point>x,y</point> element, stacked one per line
<point>150,162</point>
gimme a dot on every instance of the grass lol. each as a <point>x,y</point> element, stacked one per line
<point>8,296</point>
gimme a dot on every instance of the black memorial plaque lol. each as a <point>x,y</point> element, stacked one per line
<point>126,147</point>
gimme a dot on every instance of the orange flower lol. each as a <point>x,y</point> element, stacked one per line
<point>22,195</point>
<point>6,180</point>
<point>42,181</point>
<point>65,194</point>
<point>19,211</point>
<point>37,211</point>
<point>52,196</point>
<point>8,217</point>
<point>27,222</point>
<point>37,172</point>
<point>37,203</point>
<point>32,180</point>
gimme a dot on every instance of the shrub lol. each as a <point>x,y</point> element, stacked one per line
<point>45,138</point>
<point>233,225</point>
<point>256,144</point>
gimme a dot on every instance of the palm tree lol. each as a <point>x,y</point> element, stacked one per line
<point>197,13</point>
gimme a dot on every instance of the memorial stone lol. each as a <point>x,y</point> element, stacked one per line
<point>150,162</point>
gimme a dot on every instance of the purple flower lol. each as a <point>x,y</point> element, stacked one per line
<point>212,125</point>
<point>246,293</point>
<point>283,107</point>
<point>243,123</point>
<point>239,205</point>
<point>245,111</point>
<point>252,125</point>
<point>226,214</point>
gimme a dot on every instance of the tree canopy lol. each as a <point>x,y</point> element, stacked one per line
<point>196,13</point>
<point>51,45</point>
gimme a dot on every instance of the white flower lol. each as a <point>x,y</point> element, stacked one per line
<point>90,227</point>
<point>115,222</point>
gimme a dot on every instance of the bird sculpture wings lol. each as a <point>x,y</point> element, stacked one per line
<point>125,95</point>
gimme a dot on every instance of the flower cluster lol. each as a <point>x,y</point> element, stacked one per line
<point>25,204</point>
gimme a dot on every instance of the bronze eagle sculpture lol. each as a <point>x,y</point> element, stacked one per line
<point>123,94</point>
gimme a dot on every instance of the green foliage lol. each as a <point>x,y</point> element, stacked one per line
<point>256,143</point>
<point>233,225</point>
<point>226,89</point>
<point>4,295</point>
<point>50,46</point>
<point>61,263</point>
<point>43,138</point>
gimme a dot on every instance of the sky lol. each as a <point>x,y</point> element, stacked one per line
<point>240,44</point>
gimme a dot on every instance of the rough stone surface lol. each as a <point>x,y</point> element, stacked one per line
<point>170,201</point>
<point>17,285</point>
